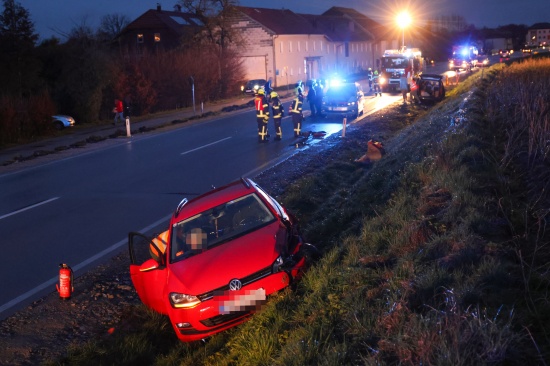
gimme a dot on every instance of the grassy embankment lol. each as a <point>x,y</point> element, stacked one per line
<point>437,254</point>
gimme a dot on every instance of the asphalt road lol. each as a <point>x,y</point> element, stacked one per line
<point>79,210</point>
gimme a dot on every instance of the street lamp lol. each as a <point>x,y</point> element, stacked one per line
<point>403,20</point>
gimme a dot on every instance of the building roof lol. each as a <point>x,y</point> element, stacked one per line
<point>540,26</point>
<point>280,21</point>
<point>376,30</point>
<point>339,29</point>
<point>176,21</point>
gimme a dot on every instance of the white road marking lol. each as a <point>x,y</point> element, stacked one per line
<point>52,281</point>
<point>28,208</point>
<point>203,146</point>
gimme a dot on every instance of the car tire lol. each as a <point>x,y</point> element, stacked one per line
<point>58,125</point>
<point>310,252</point>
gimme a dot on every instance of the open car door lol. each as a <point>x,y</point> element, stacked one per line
<point>148,269</point>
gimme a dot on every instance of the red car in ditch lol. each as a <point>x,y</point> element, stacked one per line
<point>222,256</point>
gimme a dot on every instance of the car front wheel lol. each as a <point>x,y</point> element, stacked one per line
<point>58,125</point>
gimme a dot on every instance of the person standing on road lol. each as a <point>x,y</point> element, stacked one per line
<point>319,94</point>
<point>414,91</point>
<point>278,112</point>
<point>119,111</point>
<point>369,77</point>
<point>376,83</point>
<point>296,113</point>
<point>268,89</point>
<point>403,85</point>
<point>262,115</point>
<point>311,98</point>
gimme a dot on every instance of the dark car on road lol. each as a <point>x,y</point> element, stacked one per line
<point>252,86</point>
<point>344,99</point>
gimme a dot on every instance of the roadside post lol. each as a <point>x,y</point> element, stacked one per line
<point>344,122</point>
<point>128,131</point>
<point>192,80</point>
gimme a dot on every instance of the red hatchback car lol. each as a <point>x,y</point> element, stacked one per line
<point>223,254</point>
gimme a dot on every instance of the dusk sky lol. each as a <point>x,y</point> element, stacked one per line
<point>57,17</point>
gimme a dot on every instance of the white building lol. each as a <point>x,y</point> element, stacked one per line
<point>538,35</point>
<point>288,47</point>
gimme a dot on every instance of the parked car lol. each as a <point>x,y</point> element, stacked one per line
<point>346,99</point>
<point>430,88</point>
<point>222,256</point>
<point>60,121</point>
<point>252,86</point>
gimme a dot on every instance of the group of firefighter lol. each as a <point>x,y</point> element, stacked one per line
<point>262,100</point>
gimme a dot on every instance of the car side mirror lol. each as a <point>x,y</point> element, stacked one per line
<point>149,265</point>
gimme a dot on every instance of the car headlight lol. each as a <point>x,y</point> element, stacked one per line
<point>351,103</point>
<point>183,300</point>
<point>382,80</point>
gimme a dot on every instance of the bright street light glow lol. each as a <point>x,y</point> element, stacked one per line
<point>403,20</point>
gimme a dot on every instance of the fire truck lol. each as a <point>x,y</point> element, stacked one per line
<point>464,57</point>
<point>393,66</point>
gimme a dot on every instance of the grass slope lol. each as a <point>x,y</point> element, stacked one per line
<point>437,254</point>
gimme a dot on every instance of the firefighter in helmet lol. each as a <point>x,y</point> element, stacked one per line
<point>278,113</point>
<point>376,83</point>
<point>296,113</point>
<point>262,115</point>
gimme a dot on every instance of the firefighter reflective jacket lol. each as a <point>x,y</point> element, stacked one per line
<point>262,106</point>
<point>277,108</point>
<point>296,106</point>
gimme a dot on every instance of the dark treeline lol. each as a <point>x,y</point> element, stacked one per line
<point>82,76</point>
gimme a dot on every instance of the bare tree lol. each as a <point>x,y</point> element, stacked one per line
<point>111,25</point>
<point>215,15</point>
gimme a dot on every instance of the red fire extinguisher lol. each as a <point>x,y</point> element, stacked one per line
<point>65,286</point>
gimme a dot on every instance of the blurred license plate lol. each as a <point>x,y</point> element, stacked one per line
<point>340,109</point>
<point>242,301</point>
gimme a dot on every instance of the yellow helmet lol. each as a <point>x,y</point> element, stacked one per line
<point>261,91</point>
<point>274,94</point>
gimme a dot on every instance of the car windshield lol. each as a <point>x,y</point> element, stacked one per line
<point>258,82</point>
<point>394,62</point>
<point>217,225</point>
<point>342,91</point>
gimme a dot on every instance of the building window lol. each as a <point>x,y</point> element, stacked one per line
<point>321,46</point>
<point>289,46</point>
<point>314,46</point>
<point>157,37</point>
<point>307,46</point>
<point>281,47</point>
<point>299,47</point>
<point>140,38</point>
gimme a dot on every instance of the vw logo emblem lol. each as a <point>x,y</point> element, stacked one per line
<point>235,285</point>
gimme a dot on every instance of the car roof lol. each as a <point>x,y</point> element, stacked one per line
<point>431,77</point>
<point>214,198</point>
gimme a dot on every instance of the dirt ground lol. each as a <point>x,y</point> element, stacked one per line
<point>102,297</point>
